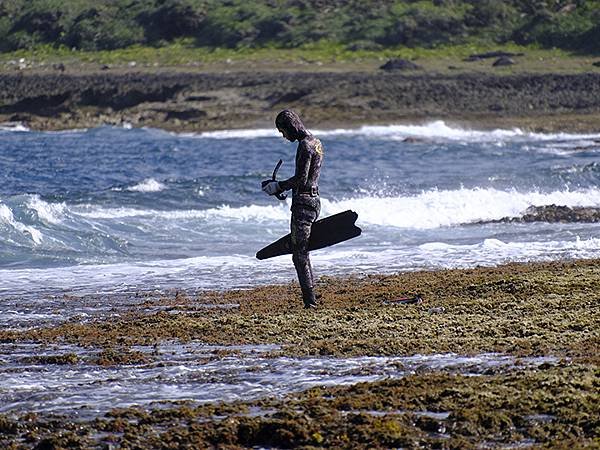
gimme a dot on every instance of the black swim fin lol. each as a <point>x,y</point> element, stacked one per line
<point>325,232</point>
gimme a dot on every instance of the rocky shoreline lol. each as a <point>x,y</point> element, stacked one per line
<point>195,101</point>
<point>536,310</point>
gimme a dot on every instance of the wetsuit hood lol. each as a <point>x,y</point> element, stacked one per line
<point>288,121</point>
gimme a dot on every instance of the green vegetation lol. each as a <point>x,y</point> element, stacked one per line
<point>183,51</point>
<point>353,25</point>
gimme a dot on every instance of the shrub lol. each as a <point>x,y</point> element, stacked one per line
<point>170,20</point>
<point>569,28</point>
<point>102,29</point>
<point>423,23</point>
<point>352,24</point>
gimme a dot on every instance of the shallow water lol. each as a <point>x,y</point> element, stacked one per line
<point>193,372</point>
<point>118,209</point>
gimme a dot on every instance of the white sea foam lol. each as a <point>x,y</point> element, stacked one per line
<point>201,271</point>
<point>495,251</point>
<point>430,209</point>
<point>149,185</point>
<point>7,217</point>
<point>436,130</point>
<point>239,271</point>
<point>438,208</point>
<point>432,130</point>
<point>48,212</point>
<point>235,134</point>
<point>13,126</point>
<point>489,252</point>
<point>244,213</point>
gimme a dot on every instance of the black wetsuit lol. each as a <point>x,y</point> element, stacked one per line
<point>306,206</point>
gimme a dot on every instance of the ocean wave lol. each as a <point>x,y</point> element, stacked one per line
<point>440,208</point>
<point>239,271</point>
<point>234,134</point>
<point>52,213</point>
<point>569,148</point>
<point>492,244</point>
<point>197,271</point>
<point>7,217</point>
<point>487,252</point>
<point>13,126</point>
<point>243,213</point>
<point>436,130</point>
<point>430,209</point>
<point>495,251</point>
<point>577,168</point>
<point>149,185</point>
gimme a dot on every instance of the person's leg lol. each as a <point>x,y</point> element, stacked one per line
<point>317,211</point>
<point>302,220</point>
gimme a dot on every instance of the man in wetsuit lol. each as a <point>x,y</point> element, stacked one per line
<point>306,203</point>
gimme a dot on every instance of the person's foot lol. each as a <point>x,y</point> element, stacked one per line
<point>309,298</point>
<point>310,304</point>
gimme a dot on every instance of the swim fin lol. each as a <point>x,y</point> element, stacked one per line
<point>325,232</point>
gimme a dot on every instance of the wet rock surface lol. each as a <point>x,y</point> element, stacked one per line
<point>504,61</point>
<point>504,309</point>
<point>205,101</point>
<point>554,214</point>
<point>551,406</point>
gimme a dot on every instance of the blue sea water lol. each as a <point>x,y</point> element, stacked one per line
<point>110,209</point>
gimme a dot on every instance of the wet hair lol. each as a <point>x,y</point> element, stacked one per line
<point>288,121</point>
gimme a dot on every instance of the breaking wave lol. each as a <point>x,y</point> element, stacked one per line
<point>15,231</point>
<point>13,126</point>
<point>437,130</point>
<point>149,185</point>
<point>429,209</point>
<point>440,208</point>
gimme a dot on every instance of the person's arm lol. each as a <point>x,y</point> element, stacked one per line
<point>300,178</point>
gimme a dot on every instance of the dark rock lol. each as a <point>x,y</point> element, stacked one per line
<point>555,214</point>
<point>413,140</point>
<point>43,105</point>
<point>68,358</point>
<point>189,114</point>
<point>400,64</point>
<point>245,98</point>
<point>288,97</point>
<point>198,98</point>
<point>60,67</point>
<point>105,67</point>
<point>503,61</point>
<point>19,118</point>
<point>596,64</point>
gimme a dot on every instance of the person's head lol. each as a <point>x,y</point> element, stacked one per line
<point>289,124</point>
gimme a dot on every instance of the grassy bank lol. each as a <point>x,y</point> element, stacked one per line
<point>314,57</point>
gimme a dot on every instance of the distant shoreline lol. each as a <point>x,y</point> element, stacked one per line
<point>180,100</point>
